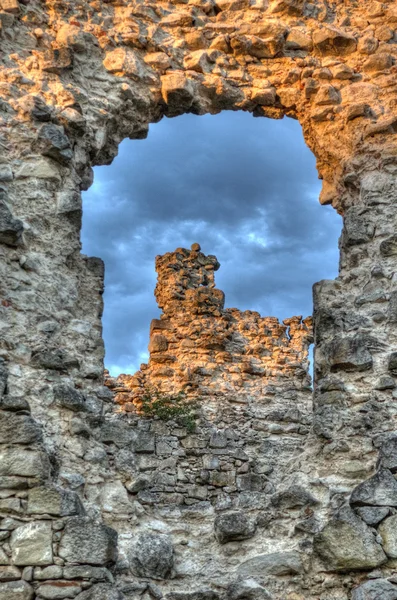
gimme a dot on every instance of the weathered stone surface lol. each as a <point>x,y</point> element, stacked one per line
<point>153,555</point>
<point>102,591</point>
<point>388,531</point>
<point>31,544</point>
<point>18,429</point>
<point>378,589</point>
<point>234,526</point>
<point>70,398</point>
<point>388,454</point>
<point>52,141</point>
<point>379,490</point>
<point>278,563</point>
<point>248,589</point>
<point>346,543</point>
<point>22,462</point>
<point>84,541</point>
<point>199,595</point>
<point>16,590</point>
<point>58,590</point>
<point>10,228</point>
<point>372,515</point>
<point>54,501</point>
<point>293,497</point>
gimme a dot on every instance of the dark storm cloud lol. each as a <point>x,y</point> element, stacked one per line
<point>246,189</point>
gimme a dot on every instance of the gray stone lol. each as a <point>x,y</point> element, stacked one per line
<point>388,532</point>
<point>144,442</point>
<point>3,379</point>
<point>349,354</point>
<point>378,589</point>
<point>31,544</point>
<point>14,404</point>
<point>58,590</point>
<point>51,572</point>
<point>52,142</point>
<point>294,497</point>
<point>392,364</point>
<point>116,432</point>
<point>153,556</point>
<point>68,397</point>
<point>87,572</point>
<point>379,490</point>
<point>55,359</point>
<point>357,229</point>
<point>102,591</point>
<point>16,590</point>
<point>23,462</point>
<point>18,429</point>
<point>250,482</point>
<point>234,526</point>
<point>84,541</point>
<point>198,595</point>
<point>372,515</point>
<point>54,501</point>
<point>248,589</point>
<point>388,454</point>
<point>347,543</point>
<point>9,573</point>
<point>10,229</point>
<point>278,563</point>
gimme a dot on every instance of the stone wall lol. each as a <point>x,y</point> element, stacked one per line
<point>77,78</point>
<point>205,351</point>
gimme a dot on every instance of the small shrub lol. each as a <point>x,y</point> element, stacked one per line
<point>169,407</point>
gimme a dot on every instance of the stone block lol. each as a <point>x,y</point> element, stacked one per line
<point>16,590</point>
<point>346,543</point>
<point>10,229</point>
<point>234,526</point>
<point>349,354</point>
<point>52,141</point>
<point>277,563</point>
<point>84,541</point>
<point>68,397</point>
<point>102,591</point>
<point>23,462</point>
<point>31,544</point>
<point>379,490</point>
<point>372,515</point>
<point>153,556</point>
<point>388,531</point>
<point>18,429</point>
<point>55,501</point>
<point>58,590</point>
<point>378,589</point>
<point>330,41</point>
<point>294,497</point>
<point>247,589</point>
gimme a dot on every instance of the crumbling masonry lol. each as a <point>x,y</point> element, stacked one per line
<point>265,500</point>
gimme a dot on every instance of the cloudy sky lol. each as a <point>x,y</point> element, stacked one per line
<point>246,189</point>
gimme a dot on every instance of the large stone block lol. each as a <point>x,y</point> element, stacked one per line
<point>23,462</point>
<point>16,590</point>
<point>388,454</point>
<point>31,544</point>
<point>153,556</point>
<point>67,396</point>
<point>378,589</point>
<point>233,527</point>
<point>388,532</point>
<point>102,591</point>
<point>84,541</point>
<point>379,490</point>
<point>18,429</point>
<point>277,563</point>
<point>346,543</point>
<point>247,589</point>
<point>349,353</point>
<point>54,501</point>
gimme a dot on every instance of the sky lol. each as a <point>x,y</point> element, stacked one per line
<point>244,188</point>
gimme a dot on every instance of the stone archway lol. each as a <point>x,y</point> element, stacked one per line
<point>76,80</point>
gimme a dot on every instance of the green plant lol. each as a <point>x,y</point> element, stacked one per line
<point>169,407</point>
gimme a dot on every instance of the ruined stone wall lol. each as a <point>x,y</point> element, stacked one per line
<point>78,77</point>
<point>206,351</point>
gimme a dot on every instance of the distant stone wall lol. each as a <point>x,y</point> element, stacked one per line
<point>204,350</point>
<point>76,78</point>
